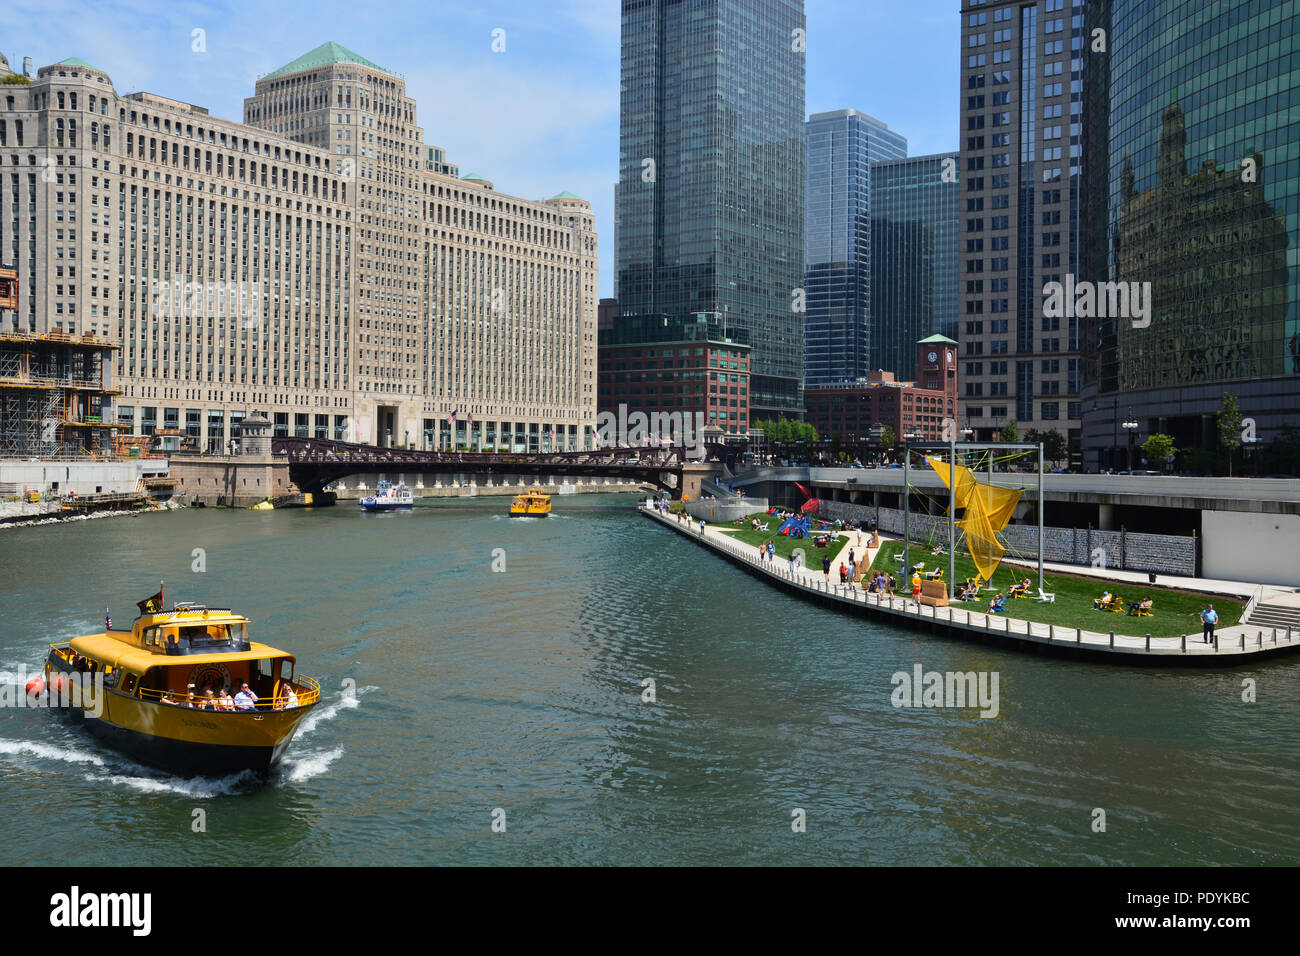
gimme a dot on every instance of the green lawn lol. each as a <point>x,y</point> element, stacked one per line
<point>784,545</point>
<point>1176,612</point>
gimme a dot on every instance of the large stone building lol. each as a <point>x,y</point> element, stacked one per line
<point>1021,169</point>
<point>318,263</point>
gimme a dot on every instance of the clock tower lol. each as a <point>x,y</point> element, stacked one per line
<point>936,369</point>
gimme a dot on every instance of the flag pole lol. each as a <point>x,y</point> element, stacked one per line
<point>952,524</point>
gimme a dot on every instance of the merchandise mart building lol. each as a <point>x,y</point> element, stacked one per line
<point>317,263</point>
<point>1194,131</point>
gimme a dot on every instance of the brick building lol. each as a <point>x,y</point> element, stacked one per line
<point>849,410</point>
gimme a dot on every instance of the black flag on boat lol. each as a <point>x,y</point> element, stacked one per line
<point>151,605</point>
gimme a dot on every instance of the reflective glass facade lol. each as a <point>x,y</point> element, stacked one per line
<point>711,186</point>
<point>838,337</point>
<point>1194,134</point>
<point>913,257</point>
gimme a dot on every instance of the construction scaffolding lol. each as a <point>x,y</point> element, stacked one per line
<point>56,396</point>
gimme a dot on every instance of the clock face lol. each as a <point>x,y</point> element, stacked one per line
<point>933,356</point>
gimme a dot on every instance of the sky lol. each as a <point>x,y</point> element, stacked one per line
<point>537,118</point>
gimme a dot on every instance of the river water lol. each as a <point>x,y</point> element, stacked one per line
<point>516,696</point>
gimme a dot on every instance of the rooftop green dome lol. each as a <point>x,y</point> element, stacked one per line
<point>324,55</point>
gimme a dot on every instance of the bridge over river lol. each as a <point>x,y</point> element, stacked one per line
<point>315,463</point>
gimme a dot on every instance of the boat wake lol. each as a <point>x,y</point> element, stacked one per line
<point>31,748</point>
<point>296,768</point>
<point>326,712</point>
<point>200,788</point>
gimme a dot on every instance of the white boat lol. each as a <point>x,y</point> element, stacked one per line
<point>389,497</point>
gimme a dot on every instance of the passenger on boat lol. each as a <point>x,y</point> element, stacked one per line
<point>290,698</point>
<point>209,701</point>
<point>224,700</point>
<point>245,700</point>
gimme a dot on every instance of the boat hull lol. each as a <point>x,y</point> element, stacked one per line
<point>371,506</point>
<point>529,514</point>
<point>184,757</point>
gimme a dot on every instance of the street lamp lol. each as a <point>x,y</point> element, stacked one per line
<point>1130,425</point>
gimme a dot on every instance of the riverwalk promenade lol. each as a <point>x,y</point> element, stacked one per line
<point>1232,645</point>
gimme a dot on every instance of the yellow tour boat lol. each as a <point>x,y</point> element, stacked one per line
<point>184,690</point>
<point>533,504</point>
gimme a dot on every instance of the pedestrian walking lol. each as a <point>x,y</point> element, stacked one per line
<point>1209,617</point>
<point>791,560</point>
<point>853,571</point>
<point>826,566</point>
<point>844,573</point>
<point>850,555</point>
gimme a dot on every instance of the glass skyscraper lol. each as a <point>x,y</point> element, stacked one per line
<point>838,334</point>
<point>913,257</point>
<point>1193,130</point>
<point>711,185</point>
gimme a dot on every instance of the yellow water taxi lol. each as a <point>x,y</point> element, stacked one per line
<point>184,690</point>
<point>533,504</point>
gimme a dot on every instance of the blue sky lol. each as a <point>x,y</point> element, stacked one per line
<point>538,118</point>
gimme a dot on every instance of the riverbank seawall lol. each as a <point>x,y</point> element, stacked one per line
<point>1232,646</point>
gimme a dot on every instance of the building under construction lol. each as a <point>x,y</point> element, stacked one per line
<point>56,396</point>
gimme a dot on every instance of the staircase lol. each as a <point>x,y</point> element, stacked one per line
<point>709,486</point>
<point>1279,616</point>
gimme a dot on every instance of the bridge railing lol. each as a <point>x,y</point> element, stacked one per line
<point>326,450</point>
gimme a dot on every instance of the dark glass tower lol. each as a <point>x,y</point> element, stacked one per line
<point>711,186</point>
<point>1194,188</point>
<point>913,257</point>
<point>838,334</point>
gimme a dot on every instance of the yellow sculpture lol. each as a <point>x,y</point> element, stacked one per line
<point>987,511</point>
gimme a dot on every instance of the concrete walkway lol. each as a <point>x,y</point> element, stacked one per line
<point>1232,644</point>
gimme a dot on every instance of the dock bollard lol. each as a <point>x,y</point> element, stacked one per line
<point>1184,644</point>
<point>1259,638</point>
<point>1008,625</point>
<point>1148,642</point>
<point>1112,638</point>
<point>1051,632</point>
<point>1274,635</point>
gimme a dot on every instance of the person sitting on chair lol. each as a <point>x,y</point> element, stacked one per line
<point>998,604</point>
<point>1102,601</point>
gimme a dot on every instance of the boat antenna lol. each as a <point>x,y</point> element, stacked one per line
<point>162,600</point>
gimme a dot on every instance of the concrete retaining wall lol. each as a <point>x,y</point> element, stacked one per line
<point>724,509</point>
<point>1127,551</point>
<point>77,477</point>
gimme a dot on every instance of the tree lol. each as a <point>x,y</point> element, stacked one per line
<point>1229,420</point>
<point>887,438</point>
<point>1159,448</point>
<point>1009,431</point>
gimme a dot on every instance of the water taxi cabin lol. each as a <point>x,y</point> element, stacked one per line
<point>188,650</point>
